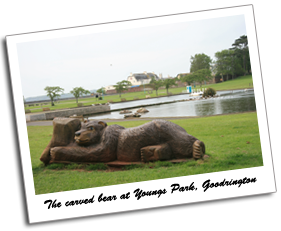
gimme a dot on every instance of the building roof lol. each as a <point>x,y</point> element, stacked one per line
<point>141,76</point>
<point>152,74</point>
<point>182,74</point>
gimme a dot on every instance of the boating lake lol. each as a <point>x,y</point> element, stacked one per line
<point>227,102</point>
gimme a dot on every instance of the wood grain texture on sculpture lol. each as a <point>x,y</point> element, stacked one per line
<point>94,141</point>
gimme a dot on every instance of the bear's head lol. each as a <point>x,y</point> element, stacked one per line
<point>90,133</point>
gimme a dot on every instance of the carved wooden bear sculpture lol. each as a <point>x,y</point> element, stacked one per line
<point>94,141</point>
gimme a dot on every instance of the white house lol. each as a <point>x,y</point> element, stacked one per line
<point>141,78</point>
<point>110,87</point>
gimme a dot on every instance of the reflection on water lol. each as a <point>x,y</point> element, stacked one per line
<point>228,102</point>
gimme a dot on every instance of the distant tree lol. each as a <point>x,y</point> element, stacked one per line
<point>202,75</point>
<point>79,91</point>
<point>122,86</point>
<point>101,90</point>
<point>236,65</point>
<point>224,62</point>
<point>53,93</point>
<point>241,49</point>
<point>200,61</point>
<point>156,84</point>
<point>187,78</point>
<point>168,83</point>
<point>229,62</point>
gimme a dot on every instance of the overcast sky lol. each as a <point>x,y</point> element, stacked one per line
<point>93,61</point>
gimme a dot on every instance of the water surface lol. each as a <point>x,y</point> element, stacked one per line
<point>227,102</point>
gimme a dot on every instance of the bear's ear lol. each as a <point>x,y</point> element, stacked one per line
<point>102,123</point>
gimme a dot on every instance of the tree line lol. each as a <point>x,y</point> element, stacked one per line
<point>156,84</point>
<point>121,86</point>
<point>233,62</point>
<point>55,92</point>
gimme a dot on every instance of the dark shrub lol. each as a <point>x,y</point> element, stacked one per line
<point>209,92</point>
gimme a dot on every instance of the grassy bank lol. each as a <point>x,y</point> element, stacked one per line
<point>239,83</point>
<point>232,142</point>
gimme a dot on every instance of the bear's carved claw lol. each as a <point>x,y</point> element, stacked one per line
<point>142,156</point>
<point>147,154</point>
<point>156,152</point>
<point>198,149</point>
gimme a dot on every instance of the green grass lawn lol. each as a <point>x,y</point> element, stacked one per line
<point>232,142</point>
<point>239,83</point>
